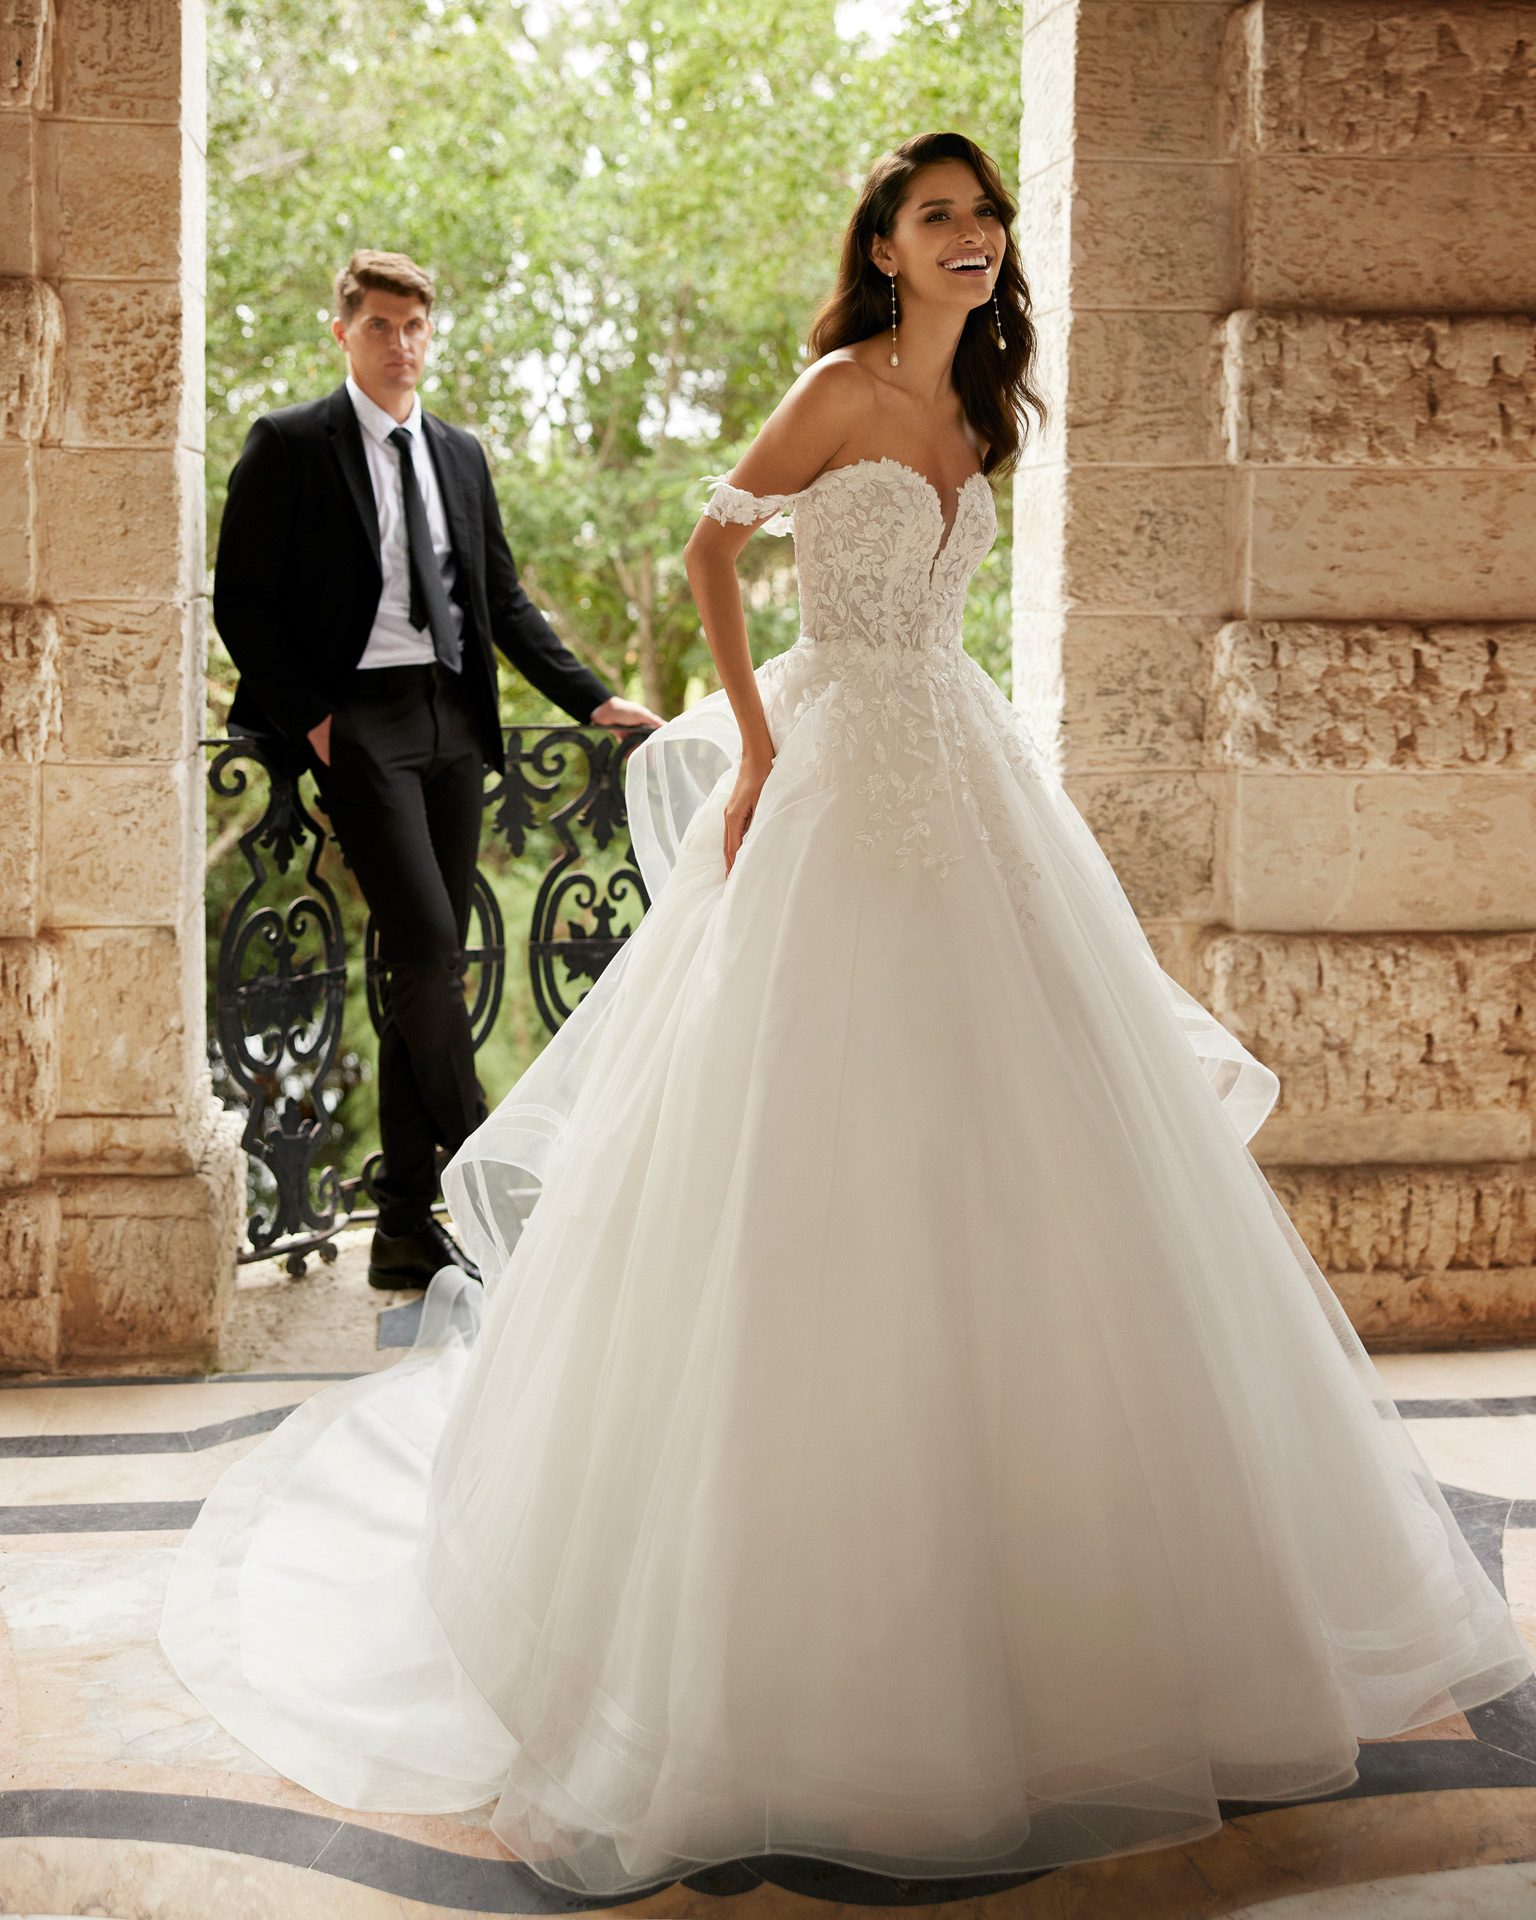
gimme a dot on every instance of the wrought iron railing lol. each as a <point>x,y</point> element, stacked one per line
<point>280,984</point>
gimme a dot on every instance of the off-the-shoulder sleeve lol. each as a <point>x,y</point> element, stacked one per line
<point>727,504</point>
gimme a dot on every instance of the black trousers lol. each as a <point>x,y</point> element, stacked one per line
<point>403,792</point>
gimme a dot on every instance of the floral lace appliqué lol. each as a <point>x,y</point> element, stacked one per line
<point>729,504</point>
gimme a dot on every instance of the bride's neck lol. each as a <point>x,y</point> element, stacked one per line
<point>926,348</point>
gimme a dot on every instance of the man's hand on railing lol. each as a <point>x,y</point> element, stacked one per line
<point>624,715</point>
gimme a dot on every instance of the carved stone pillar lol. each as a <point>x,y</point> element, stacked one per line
<point>1277,582</point>
<point>120,1184</point>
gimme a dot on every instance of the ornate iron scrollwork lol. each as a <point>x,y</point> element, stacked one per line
<point>281,981</point>
<point>279,994</point>
<point>587,896</point>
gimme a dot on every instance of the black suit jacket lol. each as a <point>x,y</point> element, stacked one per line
<point>297,581</point>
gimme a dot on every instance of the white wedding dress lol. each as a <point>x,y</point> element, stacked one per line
<point>905,1431</point>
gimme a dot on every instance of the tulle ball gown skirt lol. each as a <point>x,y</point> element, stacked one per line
<point>904,1432</point>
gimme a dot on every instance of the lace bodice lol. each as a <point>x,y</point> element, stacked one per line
<point>878,692</point>
<point>876,569</point>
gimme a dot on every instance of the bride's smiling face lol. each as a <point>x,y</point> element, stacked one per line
<point>947,243</point>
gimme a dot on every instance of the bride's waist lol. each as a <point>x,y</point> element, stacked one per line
<point>933,652</point>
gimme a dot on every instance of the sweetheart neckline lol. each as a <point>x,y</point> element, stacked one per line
<point>946,533</point>
<point>888,460</point>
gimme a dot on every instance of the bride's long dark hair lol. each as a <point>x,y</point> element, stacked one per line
<point>995,384</point>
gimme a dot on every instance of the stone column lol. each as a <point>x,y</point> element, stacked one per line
<point>120,1184</point>
<point>1277,583</point>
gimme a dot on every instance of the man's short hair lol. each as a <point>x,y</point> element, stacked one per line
<point>384,273</point>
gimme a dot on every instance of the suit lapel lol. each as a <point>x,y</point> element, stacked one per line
<point>346,438</point>
<point>450,485</point>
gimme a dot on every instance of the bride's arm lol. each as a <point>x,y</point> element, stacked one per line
<point>800,439</point>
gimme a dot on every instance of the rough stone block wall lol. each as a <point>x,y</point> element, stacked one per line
<point>1276,579</point>
<point>119,1181</point>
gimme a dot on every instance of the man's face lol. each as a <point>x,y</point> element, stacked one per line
<point>386,342</point>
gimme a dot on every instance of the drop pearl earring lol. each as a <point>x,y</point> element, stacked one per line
<point>894,361</point>
<point>997,323</point>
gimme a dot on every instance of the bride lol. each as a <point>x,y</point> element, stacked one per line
<point>905,1430</point>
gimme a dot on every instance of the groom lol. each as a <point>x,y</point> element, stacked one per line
<point>362,581</point>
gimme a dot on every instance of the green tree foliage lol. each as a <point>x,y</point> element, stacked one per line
<point>632,208</point>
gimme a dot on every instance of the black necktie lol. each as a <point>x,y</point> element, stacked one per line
<point>429,597</point>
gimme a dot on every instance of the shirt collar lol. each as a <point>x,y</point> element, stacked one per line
<point>374,421</point>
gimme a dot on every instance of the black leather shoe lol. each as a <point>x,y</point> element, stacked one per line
<point>400,1260</point>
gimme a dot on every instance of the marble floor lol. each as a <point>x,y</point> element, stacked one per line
<point>121,1798</point>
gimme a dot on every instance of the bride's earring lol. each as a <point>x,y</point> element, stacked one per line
<point>997,323</point>
<point>894,361</point>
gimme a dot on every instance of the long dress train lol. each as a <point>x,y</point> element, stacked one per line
<point>905,1430</point>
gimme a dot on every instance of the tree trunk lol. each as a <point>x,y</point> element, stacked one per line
<point>639,584</point>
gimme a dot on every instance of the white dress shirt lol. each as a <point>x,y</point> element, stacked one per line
<point>394,642</point>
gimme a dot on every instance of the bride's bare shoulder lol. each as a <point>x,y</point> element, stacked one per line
<point>838,387</point>
<point>825,408</point>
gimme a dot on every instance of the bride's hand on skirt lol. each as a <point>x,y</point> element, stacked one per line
<point>742,805</point>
